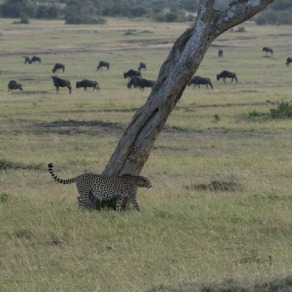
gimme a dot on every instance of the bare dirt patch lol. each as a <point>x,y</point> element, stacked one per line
<point>70,127</point>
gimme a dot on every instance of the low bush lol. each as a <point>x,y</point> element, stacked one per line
<point>283,110</point>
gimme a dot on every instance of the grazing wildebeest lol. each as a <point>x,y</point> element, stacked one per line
<point>26,60</point>
<point>137,81</point>
<point>227,74</point>
<point>12,85</point>
<point>288,61</point>
<point>35,59</point>
<point>87,83</point>
<point>198,80</point>
<point>268,50</point>
<point>58,66</point>
<point>132,73</point>
<point>58,82</point>
<point>103,64</point>
<point>220,53</point>
<point>142,66</point>
<point>32,60</point>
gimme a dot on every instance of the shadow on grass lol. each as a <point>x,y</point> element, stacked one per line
<point>7,164</point>
<point>75,127</point>
<point>216,186</point>
<point>283,284</point>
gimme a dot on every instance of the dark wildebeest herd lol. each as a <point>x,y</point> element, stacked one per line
<point>198,80</point>
<point>134,76</point>
<point>86,83</point>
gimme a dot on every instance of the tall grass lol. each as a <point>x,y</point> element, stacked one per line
<point>220,205</point>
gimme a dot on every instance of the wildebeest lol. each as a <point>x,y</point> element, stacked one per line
<point>220,53</point>
<point>35,59</point>
<point>142,66</point>
<point>132,73</point>
<point>26,60</point>
<point>268,50</point>
<point>103,64</point>
<point>12,85</point>
<point>288,61</point>
<point>198,80</point>
<point>137,81</point>
<point>58,82</point>
<point>32,60</point>
<point>58,66</point>
<point>227,74</point>
<point>87,83</point>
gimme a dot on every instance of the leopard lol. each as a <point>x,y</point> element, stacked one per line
<point>92,187</point>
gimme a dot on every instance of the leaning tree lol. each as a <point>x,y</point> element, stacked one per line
<point>214,17</point>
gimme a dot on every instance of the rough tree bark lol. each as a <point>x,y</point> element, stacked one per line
<point>214,17</point>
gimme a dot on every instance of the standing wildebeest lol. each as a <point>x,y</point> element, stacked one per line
<point>12,85</point>
<point>220,53</point>
<point>58,66</point>
<point>137,81</point>
<point>87,83</point>
<point>288,61</point>
<point>35,59</point>
<point>58,82</point>
<point>198,80</point>
<point>132,73</point>
<point>142,66</point>
<point>103,64</point>
<point>226,74</point>
<point>268,50</point>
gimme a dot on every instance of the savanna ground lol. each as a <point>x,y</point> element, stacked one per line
<point>221,204</point>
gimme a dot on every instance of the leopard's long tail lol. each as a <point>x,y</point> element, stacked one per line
<point>60,180</point>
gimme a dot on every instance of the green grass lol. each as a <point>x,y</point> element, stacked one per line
<point>221,203</point>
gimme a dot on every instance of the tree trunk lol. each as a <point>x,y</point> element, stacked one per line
<point>214,18</point>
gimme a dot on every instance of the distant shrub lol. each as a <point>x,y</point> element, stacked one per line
<point>241,29</point>
<point>4,197</point>
<point>174,15</point>
<point>255,115</point>
<point>216,118</point>
<point>284,110</point>
<point>130,32</point>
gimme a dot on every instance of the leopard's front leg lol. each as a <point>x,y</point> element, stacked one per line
<point>135,203</point>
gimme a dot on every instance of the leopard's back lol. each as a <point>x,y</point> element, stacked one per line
<point>109,187</point>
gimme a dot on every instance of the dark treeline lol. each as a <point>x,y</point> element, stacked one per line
<point>277,13</point>
<point>95,11</point>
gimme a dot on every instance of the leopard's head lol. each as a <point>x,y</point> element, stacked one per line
<point>143,182</point>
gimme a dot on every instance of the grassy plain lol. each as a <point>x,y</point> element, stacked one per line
<point>221,202</point>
